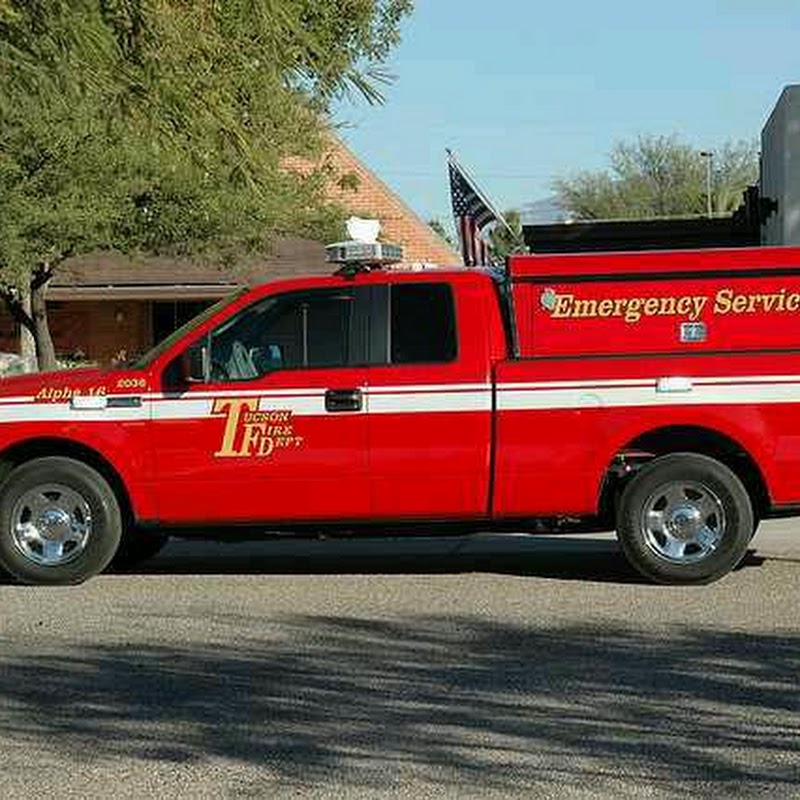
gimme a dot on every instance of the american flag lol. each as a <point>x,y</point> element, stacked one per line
<point>472,214</point>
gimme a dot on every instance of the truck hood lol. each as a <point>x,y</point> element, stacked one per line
<point>63,385</point>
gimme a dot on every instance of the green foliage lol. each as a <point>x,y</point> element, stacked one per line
<point>163,125</point>
<point>352,40</point>
<point>437,226</point>
<point>659,176</point>
<point>503,241</point>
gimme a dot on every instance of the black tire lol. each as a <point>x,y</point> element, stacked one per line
<point>692,541</point>
<point>137,546</point>
<point>59,496</point>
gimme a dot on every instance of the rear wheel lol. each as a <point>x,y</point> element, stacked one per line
<point>60,522</point>
<point>685,518</point>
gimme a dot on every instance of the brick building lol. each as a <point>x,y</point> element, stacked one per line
<point>106,306</point>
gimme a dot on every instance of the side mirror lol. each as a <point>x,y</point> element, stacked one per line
<point>196,364</point>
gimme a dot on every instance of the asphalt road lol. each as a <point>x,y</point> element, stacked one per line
<point>483,667</point>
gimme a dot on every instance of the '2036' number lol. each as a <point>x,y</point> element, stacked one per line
<point>131,383</point>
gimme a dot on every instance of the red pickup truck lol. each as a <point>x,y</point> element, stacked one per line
<point>658,393</point>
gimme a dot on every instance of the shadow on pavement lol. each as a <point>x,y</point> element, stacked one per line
<point>460,702</point>
<point>541,556</point>
<point>567,558</point>
<point>578,558</point>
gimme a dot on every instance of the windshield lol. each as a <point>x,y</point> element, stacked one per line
<point>151,355</point>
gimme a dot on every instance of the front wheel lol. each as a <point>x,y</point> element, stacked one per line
<point>685,519</point>
<point>60,522</point>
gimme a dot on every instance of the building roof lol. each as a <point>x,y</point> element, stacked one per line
<point>364,194</point>
<point>351,183</point>
<point>103,275</point>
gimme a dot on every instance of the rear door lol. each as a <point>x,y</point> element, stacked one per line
<point>430,400</point>
<point>279,431</point>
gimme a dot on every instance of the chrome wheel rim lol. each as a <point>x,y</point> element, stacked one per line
<point>683,522</point>
<point>51,524</point>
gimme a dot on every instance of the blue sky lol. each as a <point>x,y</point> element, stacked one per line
<point>525,91</point>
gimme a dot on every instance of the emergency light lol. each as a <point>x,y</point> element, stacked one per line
<point>366,254</point>
<point>362,251</point>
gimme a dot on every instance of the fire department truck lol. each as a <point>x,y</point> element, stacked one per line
<point>654,392</point>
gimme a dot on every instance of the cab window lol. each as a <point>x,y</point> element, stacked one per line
<point>298,330</point>
<point>422,324</point>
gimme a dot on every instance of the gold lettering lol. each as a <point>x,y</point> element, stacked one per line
<point>698,304</point>
<point>563,306</point>
<point>266,446</point>
<point>272,416</point>
<point>667,307</point>
<point>739,304</point>
<point>259,437</point>
<point>605,308</point>
<point>633,311</point>
<point>793,302</point>
<point>584,308</point>
<point>233,407</point>
<point>651,306</point>
<point>722,302</point>
<point>252,438</point>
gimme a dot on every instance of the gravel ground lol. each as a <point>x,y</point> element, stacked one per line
<point>480,667</point>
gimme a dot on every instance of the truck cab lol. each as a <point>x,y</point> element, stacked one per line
<point>328,400</point>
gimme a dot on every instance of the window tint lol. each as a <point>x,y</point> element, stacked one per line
<point>292,331</point>
<point>423,328</point>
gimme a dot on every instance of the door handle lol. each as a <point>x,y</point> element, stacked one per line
<point>338,400</point>
<point>674,384</point>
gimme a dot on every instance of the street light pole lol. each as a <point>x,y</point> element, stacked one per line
<point>708,155</point>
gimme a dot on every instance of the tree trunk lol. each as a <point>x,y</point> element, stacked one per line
<point>27,341</point>
<point>41,331</point>
<point>29,310</point>
<point>19,308</point>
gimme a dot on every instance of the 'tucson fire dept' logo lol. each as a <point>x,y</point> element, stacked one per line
<point>252,433</point>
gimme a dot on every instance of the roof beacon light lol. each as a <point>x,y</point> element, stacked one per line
<point>363,252</point>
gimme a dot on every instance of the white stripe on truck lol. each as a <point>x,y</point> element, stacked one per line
<point>439,398</point>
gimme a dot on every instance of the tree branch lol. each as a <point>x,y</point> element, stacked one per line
<point>41,275</point>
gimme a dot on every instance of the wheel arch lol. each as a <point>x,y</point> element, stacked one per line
<point>684,439</point>
<point>40,447</point>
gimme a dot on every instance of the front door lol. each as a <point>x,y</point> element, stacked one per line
<point>278,430</point>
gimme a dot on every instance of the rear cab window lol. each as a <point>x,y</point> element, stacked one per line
<point>422,324</point>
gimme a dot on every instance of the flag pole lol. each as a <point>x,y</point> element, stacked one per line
<point>451,158</point>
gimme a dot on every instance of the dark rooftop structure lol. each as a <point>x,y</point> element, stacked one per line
<point>740,229</point>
